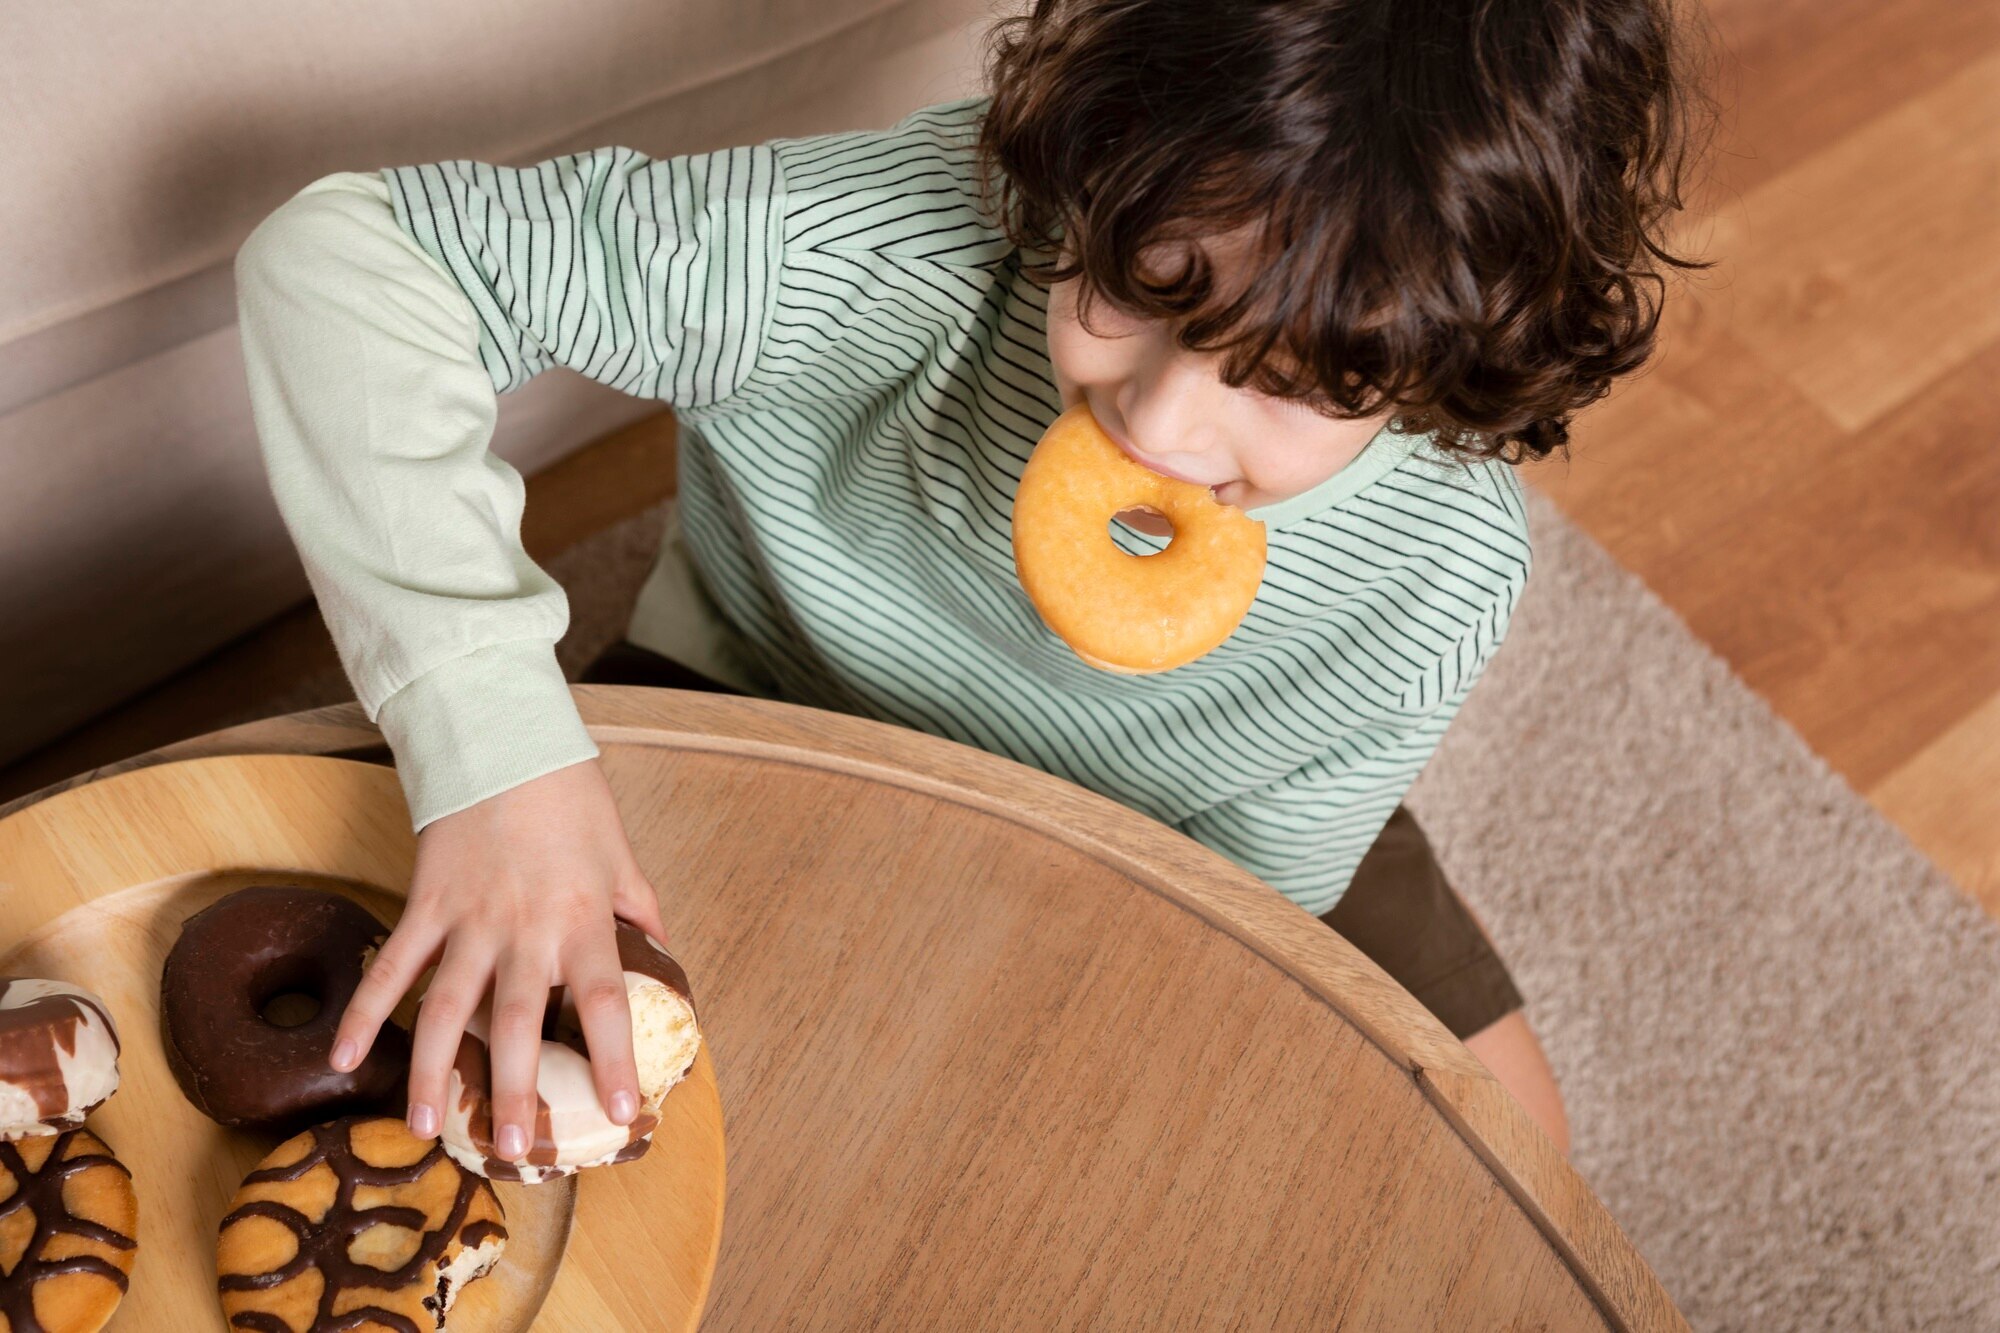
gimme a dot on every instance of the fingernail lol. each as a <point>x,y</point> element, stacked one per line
<point>343,1055</point>
<point>423,1121</point>
<point>512,1142</point>
<point>623,1107</point>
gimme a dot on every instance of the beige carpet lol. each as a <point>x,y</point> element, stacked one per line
<point>1775,1023</point>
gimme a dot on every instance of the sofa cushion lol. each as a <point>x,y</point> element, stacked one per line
<point>143,151</point>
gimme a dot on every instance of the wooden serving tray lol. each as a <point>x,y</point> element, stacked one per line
<point>94,883</point>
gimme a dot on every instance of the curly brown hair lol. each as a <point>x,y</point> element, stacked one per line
<point>1458,205</point>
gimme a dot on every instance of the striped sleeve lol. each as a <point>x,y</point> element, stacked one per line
<point>381,316</point>
<point>373,416</point>
<point>651,276</point>
<point>1306,833</point>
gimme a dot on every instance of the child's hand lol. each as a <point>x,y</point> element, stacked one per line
<point>518,891</point>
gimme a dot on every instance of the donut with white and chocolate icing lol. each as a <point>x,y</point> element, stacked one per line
<point>354,1225</point>
<point>58,1056</point>
<point>571,1130</point>
<point>233,958</point>
<point>69,1227</point>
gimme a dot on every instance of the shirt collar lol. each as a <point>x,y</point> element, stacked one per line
<point>1380,456</point>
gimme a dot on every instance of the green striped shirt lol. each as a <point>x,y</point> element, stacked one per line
<point>861,370</point>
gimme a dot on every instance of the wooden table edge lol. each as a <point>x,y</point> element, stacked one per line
<point>1194,877</point>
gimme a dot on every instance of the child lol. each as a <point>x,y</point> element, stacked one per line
<point>1343,261</point>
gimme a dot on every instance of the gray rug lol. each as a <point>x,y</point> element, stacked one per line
<point>1776,1025</point>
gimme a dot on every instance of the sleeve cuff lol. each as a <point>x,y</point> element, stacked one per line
<point>479,724</point>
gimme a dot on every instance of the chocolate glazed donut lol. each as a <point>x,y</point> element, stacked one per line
<point>232,959</point>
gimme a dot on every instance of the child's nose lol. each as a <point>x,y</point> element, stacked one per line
<point>1171,417</point>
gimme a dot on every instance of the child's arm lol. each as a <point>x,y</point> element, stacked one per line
<point>374,363</point>
<point>374,415</point>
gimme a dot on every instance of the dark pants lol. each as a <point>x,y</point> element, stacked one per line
<point>1399,909</point>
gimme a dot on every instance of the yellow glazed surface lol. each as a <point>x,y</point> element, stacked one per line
<point>1122,612</point>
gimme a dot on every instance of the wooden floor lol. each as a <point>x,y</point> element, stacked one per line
<point>1808,473</point>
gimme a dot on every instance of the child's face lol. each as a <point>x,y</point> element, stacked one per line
<point>1169,409</point>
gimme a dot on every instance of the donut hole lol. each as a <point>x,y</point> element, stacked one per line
<point>1143,518</point>
<point>290,1009</point>
<point>290,992</point>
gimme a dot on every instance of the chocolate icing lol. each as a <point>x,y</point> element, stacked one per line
<point>636,953</point>
<point>324,1244</point>
<point>29,1037</point>
<point>42,1193</point>
<point>639,952</point>
<point>478,1233</point>
<point>636,1149</point>
<point>475,1073</point>
<point>231,959</point>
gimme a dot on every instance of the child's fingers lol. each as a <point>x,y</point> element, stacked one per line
<point>396,967</point>
<point>597,981</point>
<point>455,992</point>
<point>638,903</point>
<point>514,1043</point>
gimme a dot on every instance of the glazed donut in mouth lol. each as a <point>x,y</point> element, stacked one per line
<point>236,1063</point>
<point>58,1056</point>
<point>571,1129</point>
<point>1132,614</point>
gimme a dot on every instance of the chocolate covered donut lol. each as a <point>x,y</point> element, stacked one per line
<point>232,959</point>
<point>58,1056</point>
<point>571,1129</point>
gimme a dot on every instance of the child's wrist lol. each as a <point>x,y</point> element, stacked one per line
<point>481,724</point>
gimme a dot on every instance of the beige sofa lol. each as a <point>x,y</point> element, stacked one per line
<point>144,143</point>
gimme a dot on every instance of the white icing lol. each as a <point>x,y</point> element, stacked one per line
<point>471,1160</point>
<point>18,1112</point>
<point>665,1042</point>
<point>89,1070</point>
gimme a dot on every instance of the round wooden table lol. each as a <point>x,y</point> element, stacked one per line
<point>997,1052</point>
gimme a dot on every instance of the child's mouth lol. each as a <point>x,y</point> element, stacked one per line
<point>1118,438</point>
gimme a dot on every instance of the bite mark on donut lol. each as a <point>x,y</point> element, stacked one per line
<point>1119,610</point>
<point>384,1188</point>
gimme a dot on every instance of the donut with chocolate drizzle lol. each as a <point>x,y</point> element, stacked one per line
<point>72,1187</point>
<point>358,1186</point>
